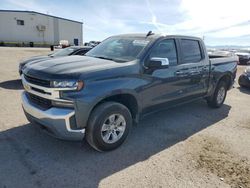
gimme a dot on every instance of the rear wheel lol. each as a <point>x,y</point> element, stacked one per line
<point>108,126</point>
<point>218,98</point>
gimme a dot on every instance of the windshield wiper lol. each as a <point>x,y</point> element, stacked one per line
<point>107,58</point>
<point>102,57</point>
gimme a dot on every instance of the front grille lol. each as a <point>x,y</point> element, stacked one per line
<point>39,101</point>
<point>37,81</point>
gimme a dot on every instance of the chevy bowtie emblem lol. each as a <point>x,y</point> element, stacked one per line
<point>26,87</point>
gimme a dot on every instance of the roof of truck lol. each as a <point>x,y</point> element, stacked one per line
<point>155,36</point>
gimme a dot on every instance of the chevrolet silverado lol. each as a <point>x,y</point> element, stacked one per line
<point>100,95</point>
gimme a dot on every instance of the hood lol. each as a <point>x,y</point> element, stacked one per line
<point>71,67</point>
<point>35,58</point>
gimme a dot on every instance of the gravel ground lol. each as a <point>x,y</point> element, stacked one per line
<point>187,146</point>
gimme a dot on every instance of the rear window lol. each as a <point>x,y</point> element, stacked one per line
<point>191,51</point>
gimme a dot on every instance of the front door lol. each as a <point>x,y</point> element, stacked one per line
<point>163,84</point>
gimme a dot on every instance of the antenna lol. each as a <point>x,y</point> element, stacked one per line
<point>149,33</point>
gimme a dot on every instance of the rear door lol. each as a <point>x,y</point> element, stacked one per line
<point>194,67</point>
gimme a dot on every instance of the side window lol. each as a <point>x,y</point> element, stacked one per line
<point>165,49</point>
<point>191,51</point>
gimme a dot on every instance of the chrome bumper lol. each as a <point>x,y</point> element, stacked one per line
<point>55,120</point>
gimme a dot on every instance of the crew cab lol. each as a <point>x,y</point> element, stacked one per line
<point>100,95</point>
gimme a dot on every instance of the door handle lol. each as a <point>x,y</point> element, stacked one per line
<point>194,72</point>
<point>179,73</point>
<point>204,68</point>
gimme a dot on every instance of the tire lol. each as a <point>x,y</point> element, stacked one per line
<point>108,126</point>
<point>240,84</point>
<point>240,81</point>
<point>218,98</point>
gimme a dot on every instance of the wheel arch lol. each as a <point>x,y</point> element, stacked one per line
<point>127,99</point>
<point>226,78</point>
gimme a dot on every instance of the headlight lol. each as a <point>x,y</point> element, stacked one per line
<point>77,85</point>
<point>62,84</point>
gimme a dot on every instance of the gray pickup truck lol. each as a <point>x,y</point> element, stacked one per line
<point>100,95</point>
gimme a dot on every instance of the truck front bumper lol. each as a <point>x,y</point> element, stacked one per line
<point>55,120</point>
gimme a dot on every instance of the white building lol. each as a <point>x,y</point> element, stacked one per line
<point>41,29</point>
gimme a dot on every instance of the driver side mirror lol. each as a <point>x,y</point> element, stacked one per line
<point>158,63</point>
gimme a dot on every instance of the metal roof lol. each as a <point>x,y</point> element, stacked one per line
<point>34,12</point>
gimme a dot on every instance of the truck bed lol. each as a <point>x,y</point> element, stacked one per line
<point>223,59</point>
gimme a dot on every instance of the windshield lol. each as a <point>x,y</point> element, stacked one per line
<point>63,52</point>
<point>119,49</point>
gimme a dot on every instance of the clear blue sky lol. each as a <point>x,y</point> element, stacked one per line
<point>222,22</point>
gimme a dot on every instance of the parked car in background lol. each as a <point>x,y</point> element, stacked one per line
<point>220,53</point>
<point>73,50</point>
<point>92,43</point>
<point>118,82</point>
<point>244,57</point>
<point>244,79</point>
<point>64,43</point>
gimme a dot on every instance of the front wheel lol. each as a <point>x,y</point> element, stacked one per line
<point>108,126</point>
<point>218,98</point>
